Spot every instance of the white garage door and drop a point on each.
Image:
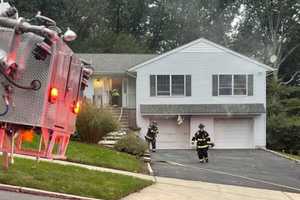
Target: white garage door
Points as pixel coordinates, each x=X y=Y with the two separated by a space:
x=233 y=133
x=172 y=136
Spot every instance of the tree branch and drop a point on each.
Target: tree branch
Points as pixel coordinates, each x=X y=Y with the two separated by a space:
x=291 y=79
x=288 y=54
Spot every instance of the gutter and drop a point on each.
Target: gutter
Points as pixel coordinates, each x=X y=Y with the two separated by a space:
x=130 y=74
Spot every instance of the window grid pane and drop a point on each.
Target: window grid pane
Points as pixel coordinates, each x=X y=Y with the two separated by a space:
x=163 y=85
x=240 y=85
x=177 y=85
x=225 y=84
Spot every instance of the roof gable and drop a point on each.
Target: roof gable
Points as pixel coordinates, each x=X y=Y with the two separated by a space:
x=201 y=46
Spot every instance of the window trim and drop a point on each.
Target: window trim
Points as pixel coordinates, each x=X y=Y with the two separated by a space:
x=170 y=85
x=232 y=83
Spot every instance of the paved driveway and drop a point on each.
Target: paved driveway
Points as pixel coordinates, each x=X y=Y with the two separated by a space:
x=252 y=168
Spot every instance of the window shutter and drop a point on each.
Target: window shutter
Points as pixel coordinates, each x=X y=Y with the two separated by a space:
x=152 y=85
x=215 y=81
x=188 y=85
x=250 y=84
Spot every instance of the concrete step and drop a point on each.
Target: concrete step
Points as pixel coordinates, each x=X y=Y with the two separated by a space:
x=117 y=133
x=107 y=142
x=112 y=137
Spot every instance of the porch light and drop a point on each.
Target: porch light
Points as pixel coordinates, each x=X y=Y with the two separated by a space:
x=98 y=83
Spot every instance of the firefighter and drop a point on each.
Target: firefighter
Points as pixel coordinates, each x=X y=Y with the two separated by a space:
x=151 y=135
x=202 y=140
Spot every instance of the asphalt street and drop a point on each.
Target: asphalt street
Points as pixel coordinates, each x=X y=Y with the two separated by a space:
x=251 y=168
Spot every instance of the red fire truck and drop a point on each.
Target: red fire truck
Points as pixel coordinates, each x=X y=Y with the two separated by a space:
x=41 y=85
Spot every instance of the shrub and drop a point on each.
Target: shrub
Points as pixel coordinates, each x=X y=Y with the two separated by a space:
x=132 y=144
x=283 y=112
x=93 y=124
x=283 y=134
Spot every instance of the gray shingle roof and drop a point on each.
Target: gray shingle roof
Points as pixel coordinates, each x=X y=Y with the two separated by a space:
x=114 y=63
x=203 y=109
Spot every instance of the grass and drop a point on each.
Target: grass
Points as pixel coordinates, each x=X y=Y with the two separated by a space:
x=70 y=180
x=290 y=155
x=97 y=155
x=101 y=156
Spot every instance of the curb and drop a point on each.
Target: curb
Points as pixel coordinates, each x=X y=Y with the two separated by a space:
x=281 y=155
x=26 y=190
x=150 y=169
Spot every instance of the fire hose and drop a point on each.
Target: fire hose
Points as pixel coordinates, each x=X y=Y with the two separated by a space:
x=6 y=107
x=34 y=85
x=5 y=111
x=23 y=26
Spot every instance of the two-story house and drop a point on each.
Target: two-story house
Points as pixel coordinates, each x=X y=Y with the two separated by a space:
x=200 y=82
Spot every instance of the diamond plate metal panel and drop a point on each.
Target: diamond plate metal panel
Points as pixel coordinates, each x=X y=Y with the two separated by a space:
x=27 y=104
x=61 y=70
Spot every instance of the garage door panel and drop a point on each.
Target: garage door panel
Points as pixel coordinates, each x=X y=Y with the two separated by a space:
x=171 y=135
x=233 y=133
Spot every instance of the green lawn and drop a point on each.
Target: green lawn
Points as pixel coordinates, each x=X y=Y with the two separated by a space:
x=99 y=156
x=70 y=180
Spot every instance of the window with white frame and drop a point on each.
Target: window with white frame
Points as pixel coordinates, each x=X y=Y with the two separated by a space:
x=225 y=84
x=232 y=84
x=163 y=85
x=240 y=84
x=177 y=85
x=170 y=85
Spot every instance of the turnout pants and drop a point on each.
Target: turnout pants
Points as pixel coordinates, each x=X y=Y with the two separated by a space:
x=202 y=153
x=152 y=143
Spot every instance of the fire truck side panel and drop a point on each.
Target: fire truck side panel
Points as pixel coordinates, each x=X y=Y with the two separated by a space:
x=65 y=77
x=27 y=105
x=73 y=84
x=62 y=70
